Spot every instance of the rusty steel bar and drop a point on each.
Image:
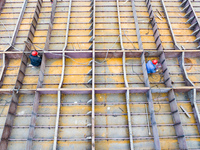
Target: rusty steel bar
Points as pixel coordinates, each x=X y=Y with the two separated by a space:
x=92 y=33
x=93 y=10
x=192 y=97
x=183 y=70
x=136 y=25
x=103 y=126
x=111 y=90
x=120 y=30
x=98 y=114
x=62 y=77
x=106 y=139
x=125 y=80
x=98 y=103
x=2 y=3
x=46 y=47
x=193 y=19
x=170 y=26
x=12 y=42
x=19 y=82
x=101 y=54
x=4 y=68
x=154 y=25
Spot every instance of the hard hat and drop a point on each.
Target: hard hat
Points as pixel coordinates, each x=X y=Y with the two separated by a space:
x=154 y=61
x=34 y=53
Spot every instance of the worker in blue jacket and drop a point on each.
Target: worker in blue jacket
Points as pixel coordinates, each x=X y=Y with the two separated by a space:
x=151 y=66
x=35 y=59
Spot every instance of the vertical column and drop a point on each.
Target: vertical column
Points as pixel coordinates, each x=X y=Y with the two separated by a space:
x=61 y=80
x=125 y=80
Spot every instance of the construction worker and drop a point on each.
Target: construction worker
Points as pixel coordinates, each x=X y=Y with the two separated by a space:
x=151 y=66
x=35 y=58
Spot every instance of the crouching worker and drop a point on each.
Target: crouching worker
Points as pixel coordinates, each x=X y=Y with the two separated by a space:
x=151 y=66
x=35 y=59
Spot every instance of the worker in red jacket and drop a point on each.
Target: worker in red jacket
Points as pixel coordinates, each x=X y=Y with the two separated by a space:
x=151 y=66
x=35 y=59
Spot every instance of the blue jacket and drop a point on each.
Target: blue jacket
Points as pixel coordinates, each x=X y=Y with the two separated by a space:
x=151 y=68
x=35 y=60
